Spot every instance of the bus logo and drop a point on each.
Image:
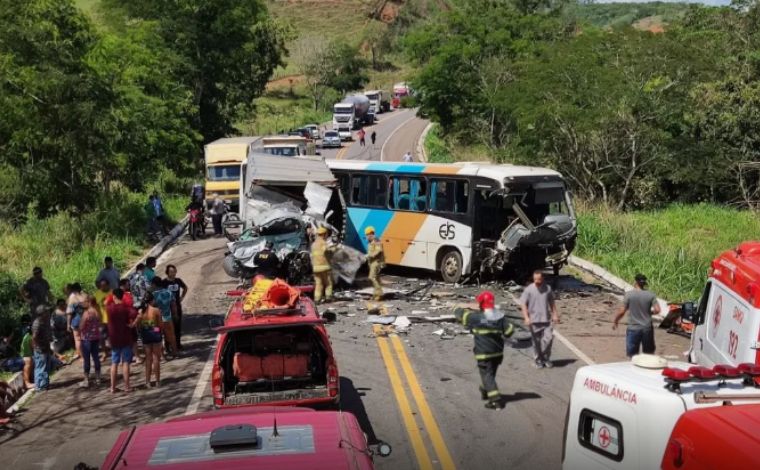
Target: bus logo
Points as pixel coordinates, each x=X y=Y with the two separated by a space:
x=447 y=231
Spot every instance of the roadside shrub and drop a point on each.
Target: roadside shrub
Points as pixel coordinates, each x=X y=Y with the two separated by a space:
x=408 y=102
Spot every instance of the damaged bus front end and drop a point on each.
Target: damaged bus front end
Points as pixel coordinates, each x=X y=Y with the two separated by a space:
x=527 y=224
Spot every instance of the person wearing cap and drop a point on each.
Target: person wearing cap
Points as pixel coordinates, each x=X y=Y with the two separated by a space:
x=267 y=262
x=640 y=304
x=42 y=335
x=320 y=264
x=375 y=260
x=489 y=327
x=539 y=313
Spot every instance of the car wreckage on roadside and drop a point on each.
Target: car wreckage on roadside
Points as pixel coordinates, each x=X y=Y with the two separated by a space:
x=462 y=220
x=284 y=201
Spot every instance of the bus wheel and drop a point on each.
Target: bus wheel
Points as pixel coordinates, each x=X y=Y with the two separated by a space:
x=451 y=266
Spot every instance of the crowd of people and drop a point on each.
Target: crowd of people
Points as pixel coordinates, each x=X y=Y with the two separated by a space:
x=131 y=320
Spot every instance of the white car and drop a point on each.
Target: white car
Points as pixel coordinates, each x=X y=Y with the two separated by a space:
x=331 y=139
x=313 y=130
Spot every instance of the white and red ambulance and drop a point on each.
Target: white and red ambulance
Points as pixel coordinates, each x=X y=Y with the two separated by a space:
x=624 y=415
x=727 y=319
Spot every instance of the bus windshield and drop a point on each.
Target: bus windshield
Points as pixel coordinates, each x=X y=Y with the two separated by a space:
x=224 y=173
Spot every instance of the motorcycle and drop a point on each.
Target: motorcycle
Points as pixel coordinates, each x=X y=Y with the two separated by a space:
x=196 y=226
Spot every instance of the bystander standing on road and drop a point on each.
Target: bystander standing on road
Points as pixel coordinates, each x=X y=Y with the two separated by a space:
x=362 y=134
x=164 y=300
x=150 y=214
x=149 y=326
x=120 y=317
x=178 y=288
x=42 y=336
x=160 y=213
x=407 y=158
x=75 y=307
x=27 y=351
x=373 y=137
x=36 y=291
x=109 y=273
x=640 y=304
x=218 y=209
x=150 y=269
x=103 y=292
x=90 y=328
x=539 y=312
x=61 y=336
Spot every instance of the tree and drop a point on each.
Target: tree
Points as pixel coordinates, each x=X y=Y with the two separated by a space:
x=228 y=51
x=309 y=55
x=346 y=67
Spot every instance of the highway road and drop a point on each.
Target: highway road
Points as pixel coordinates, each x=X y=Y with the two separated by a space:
x=417 y=391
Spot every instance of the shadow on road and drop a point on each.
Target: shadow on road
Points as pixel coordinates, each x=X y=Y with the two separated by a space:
x=563 y=362
x=518 y=396
x=351 y=400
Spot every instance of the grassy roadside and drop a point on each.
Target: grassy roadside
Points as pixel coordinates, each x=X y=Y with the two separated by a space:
x=70 y=248
x=672 y=246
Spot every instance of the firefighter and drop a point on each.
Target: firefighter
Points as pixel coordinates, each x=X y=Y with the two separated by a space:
x=320 y=252
x=489 y=328
x=267 y=262
x=376 y=261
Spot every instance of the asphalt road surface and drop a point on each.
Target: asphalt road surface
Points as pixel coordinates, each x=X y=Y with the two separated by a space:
x=397 y=132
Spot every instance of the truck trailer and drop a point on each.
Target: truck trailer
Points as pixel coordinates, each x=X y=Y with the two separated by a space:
x=379 y=101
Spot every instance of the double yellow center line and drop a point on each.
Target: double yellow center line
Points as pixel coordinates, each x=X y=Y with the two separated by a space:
x=388 y=346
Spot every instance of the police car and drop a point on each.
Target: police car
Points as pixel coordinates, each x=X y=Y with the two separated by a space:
x=621 y=415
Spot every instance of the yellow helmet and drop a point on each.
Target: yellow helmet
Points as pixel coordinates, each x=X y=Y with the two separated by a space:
x=321 y=230
x=369 y=230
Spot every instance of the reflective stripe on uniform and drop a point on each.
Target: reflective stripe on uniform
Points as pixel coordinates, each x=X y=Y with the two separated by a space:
x=464 y=317
x=481 y=357
x=509 y=330
x=493 y=393
x=486 y=331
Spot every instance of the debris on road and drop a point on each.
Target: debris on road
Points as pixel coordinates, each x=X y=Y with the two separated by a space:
x=380 y=319
x=446 y=333
x=402 y=324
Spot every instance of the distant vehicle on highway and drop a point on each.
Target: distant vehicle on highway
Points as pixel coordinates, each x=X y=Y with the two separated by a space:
x=274 y=357
x=275 y=438
x=313 y=130
x=331 y=139
x=223 y=158
x=301 y=132
x=400 y=90
x=460 y=218
x=379 y=101
x=287 y=146
x=351 y=113
x=651 y=413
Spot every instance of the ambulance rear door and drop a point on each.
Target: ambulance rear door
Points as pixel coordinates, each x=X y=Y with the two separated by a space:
x=728 y=333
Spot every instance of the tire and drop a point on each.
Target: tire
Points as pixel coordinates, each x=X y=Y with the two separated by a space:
x=231 y=267
x=451 y=266
x=233 y=219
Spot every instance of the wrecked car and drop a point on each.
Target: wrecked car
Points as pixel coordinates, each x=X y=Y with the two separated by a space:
x=462 y=219
x=285 y=200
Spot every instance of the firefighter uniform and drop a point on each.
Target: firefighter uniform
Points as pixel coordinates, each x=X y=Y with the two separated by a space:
x=489 y=347
x=323 y=281
x=376 y=261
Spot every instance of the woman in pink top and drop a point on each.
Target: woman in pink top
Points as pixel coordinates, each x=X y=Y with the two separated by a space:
x=89 y=328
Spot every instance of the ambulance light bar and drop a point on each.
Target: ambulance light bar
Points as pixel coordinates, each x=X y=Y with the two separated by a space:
x=674 y=376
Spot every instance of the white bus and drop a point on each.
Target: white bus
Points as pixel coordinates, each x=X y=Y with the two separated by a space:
x=459 y=218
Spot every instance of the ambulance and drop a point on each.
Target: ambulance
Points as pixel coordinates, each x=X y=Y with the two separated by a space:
x=727 y=318
x=628 y=415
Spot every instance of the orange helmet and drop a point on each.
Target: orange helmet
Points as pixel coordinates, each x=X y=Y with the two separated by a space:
x=486 y=300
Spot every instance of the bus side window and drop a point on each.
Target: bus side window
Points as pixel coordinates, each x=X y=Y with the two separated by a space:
x=449 y=195
x=344 y=182
x=368 y=190
x=409 y=194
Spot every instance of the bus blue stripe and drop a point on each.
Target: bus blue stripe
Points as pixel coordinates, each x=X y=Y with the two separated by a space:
x=361 y=218
x=396 y=167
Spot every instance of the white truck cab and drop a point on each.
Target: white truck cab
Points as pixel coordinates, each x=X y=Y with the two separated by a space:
x=727 y=320
x=621 y=415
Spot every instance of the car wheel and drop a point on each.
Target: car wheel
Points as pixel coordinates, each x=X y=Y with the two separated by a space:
x=450 y=266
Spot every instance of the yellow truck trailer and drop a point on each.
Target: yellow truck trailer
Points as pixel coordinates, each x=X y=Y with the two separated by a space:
x=223 y=160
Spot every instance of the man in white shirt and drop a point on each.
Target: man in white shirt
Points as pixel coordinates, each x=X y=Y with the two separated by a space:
x=408 y=157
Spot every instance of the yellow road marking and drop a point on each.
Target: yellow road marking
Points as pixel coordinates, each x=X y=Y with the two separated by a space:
x=423 y=458
x=342 y=152
x=447 y=463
